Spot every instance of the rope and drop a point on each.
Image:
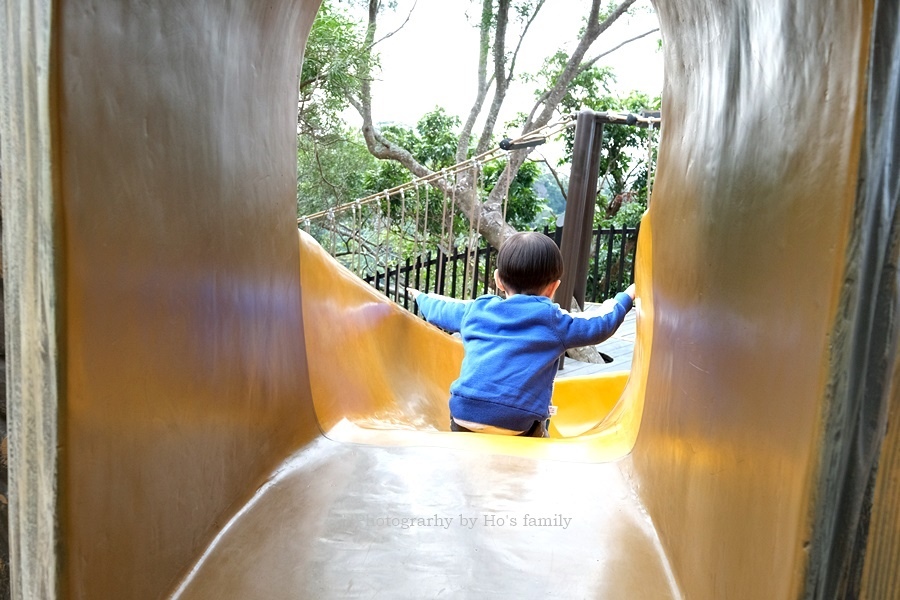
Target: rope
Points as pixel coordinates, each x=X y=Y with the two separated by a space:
x=354 y=256
x=450 y=178
x=487 y=156
x=402 y=211
x=451 y=236
x=416 y=229
x=473 y=243
x=332 y=227
x=385 y=252
x=403 y=233
x=469 y=265
x=425 y=223
x=376 y=228
x=650 y=164
x=441 y=240
x=508 y=183
x=480 y=175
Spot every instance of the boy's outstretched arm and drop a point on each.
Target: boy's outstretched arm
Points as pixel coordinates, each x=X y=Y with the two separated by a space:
x=607 y=305
x=587 y=329
x=414 y=293
x=447 y=313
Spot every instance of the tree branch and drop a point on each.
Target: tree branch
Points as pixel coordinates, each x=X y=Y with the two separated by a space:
x=484 y=43
x=590 y=63
x=378 y=145
x=312 y=80
x=558 y=90
x=402 y=25
x=492 y=214
x=501 y=81
x=334 y=188
x=515 y=55
x=488 y=215
x=555 y=174
x=506 y=75
x=349 y=235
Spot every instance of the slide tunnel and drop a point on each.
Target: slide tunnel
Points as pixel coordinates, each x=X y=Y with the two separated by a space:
x=205 y=405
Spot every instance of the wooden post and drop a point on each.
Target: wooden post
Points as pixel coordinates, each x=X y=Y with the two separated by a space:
x=579 y=219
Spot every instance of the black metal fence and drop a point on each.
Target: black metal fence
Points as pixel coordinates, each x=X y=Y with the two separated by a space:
x=468 y=273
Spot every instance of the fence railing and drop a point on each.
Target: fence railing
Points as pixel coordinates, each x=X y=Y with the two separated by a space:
x=467 y=273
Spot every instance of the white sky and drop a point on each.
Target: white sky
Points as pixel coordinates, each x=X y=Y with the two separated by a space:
x=433 y=59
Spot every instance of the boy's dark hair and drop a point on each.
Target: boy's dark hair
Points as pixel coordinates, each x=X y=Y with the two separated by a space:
x=528 y=262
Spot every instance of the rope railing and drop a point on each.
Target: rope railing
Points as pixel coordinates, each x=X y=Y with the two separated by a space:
x=649 y=120
x=541 y=133
x=388 y=239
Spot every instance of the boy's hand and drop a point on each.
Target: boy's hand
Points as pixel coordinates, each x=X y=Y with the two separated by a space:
x=412 y=293
x=630 y=291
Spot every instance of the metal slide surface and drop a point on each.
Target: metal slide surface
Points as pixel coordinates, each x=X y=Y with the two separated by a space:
x=388 y=501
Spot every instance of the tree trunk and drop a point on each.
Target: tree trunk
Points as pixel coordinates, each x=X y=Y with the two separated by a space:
x=488 y=215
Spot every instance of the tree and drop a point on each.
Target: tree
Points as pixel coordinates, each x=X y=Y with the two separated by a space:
x=332 y=170
x=504 y=25
x=434 y=143
x=331 y=159
x=333 y=63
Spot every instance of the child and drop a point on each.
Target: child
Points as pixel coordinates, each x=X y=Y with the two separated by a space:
x=512 y=346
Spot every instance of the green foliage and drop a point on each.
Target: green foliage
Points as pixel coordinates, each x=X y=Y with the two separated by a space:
x=384 y=175
x=523 y=203
x=623 y=161
x=333 y=63
x=628 y=216
x=332 y=171
x=433 y=143
x=611 y=266
x=331 y=160
x=624 y=164
x=522 y=11
x=607 y=11
x=547 y=188
x=334 y=166
x=437 y=139
x=622 y=195
x=586 y=86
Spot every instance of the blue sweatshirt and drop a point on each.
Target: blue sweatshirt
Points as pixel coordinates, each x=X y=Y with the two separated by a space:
x=512 y=348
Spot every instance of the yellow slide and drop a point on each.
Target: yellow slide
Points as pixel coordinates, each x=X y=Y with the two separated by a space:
x=391 y=502
x=379 y=375
x=201 y=407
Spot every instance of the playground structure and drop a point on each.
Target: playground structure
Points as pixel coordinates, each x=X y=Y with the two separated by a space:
x=203 y=407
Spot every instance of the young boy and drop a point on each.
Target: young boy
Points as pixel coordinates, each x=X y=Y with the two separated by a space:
x=512 y=346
